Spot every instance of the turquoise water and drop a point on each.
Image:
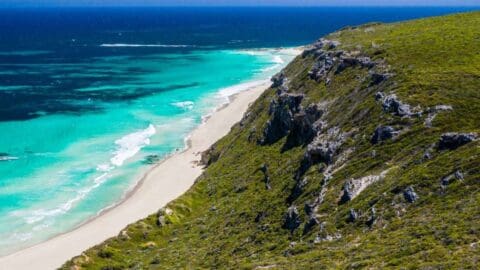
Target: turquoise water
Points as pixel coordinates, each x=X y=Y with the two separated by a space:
x=63 y=169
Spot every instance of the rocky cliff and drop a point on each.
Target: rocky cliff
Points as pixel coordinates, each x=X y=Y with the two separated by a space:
x=364 y=153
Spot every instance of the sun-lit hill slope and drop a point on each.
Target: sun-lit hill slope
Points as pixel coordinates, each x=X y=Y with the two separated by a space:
x=365 y=153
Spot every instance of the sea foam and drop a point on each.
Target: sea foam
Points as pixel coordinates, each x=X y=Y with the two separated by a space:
x=186 y=105
x=126 y=45
x=8 y=158
x=131 y=144
x=235 y=89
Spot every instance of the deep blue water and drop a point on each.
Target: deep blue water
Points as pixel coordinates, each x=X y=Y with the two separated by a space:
x=55 y=28
x=90 y=97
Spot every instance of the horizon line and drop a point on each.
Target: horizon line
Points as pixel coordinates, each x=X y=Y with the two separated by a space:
x=240 y=6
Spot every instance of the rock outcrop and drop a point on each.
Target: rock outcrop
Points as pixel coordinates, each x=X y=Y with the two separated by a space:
x=280 y=81
x=266 y=176
x=324 y=147
x=297 y=190
x=281 y=110
x=347 y=61
x=372 y=219
x=291 y=219
x=318 y=47
x=353 y=187
x=305 y=126
x=432 y=113
x=352 y=215
x=311 y=223
x=162 y=216
x=453 y=140
x=383 y=133
x=447 y=180
x=410 y=195
x=377 y=77
x=327 y=60
x=391 y=104
x=209 y=156
x=323 y=65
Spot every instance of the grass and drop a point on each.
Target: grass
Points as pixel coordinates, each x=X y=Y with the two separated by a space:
x=228 y=219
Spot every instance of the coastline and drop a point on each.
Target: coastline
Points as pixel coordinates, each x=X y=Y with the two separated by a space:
x=160 y=185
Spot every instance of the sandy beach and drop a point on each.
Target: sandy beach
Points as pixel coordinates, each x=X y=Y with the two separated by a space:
x=162 y=184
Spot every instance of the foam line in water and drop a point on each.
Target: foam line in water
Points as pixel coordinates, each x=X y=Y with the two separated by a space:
x=8 y=158
x=126 y=45
x=41 y=214
x=235 y=89
x=186 y=105
x=131 y=144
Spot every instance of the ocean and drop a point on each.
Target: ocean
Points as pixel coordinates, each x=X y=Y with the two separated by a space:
x=91 y=98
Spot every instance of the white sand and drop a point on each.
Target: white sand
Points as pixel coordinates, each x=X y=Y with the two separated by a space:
x=162 y=184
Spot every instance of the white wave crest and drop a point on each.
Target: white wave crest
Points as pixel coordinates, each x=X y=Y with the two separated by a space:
x=126 y=45
x=7 y=158
x=131 y=145
x=41 y=214
x=21 y=237
x=186 y=105
x=277 y=59
x=128 y=146
x=235 y=89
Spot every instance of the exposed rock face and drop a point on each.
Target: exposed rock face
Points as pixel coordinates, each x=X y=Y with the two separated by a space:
x=392 y=104
x=377 y=78
x=453 y=140
x=410 y=195
x=324 y=147
x=325 y=59
x=328 y=59
x=372 y=219
x=432 y=113
x=311 y=207
x=278 y=79
x=323 y=236
x=304 y=127
x=281 y=111
x=317 y=46
x=162 y=216
x=311 y=223
x=209 y=156
x=447 y=180
x=291 y=219
x=352 y=215
x=297 y=189
x=266 y=176
x=352 y=61
x=348 y=192
x=459 y=175
x=383 y=133
x=352 y=188
x=322 y=66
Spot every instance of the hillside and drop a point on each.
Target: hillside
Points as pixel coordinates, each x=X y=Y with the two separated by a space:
x=364 y=153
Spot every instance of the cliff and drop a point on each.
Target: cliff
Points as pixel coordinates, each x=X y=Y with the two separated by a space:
x=364 y=153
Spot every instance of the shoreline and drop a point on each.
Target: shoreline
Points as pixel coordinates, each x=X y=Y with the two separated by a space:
x=139 y=201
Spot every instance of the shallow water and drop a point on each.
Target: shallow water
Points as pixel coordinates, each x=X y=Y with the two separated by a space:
x=66 y=167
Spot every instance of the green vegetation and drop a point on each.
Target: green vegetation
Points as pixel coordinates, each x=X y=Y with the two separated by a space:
x=228 y=219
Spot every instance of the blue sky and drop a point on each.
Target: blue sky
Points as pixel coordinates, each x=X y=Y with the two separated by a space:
x=16 y=3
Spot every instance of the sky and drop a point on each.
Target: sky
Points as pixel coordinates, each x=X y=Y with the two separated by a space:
x=39 y=3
